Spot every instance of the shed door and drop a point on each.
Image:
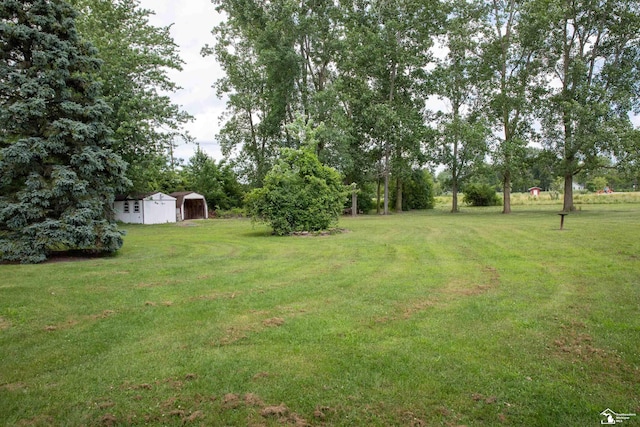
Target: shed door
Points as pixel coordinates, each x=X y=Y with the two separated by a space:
x=193 y=209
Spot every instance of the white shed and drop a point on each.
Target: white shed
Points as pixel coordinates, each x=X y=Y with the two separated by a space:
x=190 y=205
x=150 y=208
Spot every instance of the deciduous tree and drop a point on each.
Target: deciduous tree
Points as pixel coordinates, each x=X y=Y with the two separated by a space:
x=593 y=58
x=136 y=60
x=512 y=51
x=464 y=129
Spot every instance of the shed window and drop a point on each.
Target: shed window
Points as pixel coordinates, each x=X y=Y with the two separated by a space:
x=126 y=207
x=136 y=207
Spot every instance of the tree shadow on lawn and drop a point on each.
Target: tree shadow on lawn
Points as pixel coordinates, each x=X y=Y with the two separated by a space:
x=69 y=256
x=321 y=233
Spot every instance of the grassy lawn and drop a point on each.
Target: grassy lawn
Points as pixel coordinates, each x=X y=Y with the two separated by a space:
x=424 y=318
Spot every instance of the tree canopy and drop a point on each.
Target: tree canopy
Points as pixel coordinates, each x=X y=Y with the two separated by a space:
x=136 y=60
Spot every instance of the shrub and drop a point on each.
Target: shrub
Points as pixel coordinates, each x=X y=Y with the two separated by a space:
x=299 y=194
x=418 y=191
x=228 y=213
x=480 y=195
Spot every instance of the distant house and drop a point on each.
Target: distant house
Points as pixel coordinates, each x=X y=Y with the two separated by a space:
x=190 y=205
x=150 y=208
x=535 y=191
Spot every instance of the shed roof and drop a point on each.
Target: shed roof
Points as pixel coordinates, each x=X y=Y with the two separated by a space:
x=142 y=196
x=181 y=195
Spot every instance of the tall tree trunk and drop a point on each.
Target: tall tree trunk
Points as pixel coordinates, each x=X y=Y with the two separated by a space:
x=568 y=194
x=454 y=191
x=386 y=182
x=454 y=179
x=387 y=149
x=506 y=192
x=378 y=198
x=354 y=201
x=454 y=168
x=399 y=195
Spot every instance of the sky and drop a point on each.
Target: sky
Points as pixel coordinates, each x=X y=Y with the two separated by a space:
x=191 y=24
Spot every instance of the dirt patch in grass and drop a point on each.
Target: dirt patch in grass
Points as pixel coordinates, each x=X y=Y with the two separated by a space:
x=283 y=416
x=261 y=375
x=105 y=404
x=322 y=412
x=194 y=417
x=216 y=296
x=577 y=345
x=14 y=386
x=274 y=321
x=4 y=324
x=105 y=314
x=490 y=280
x=489 y=400
x=232 y=335
x=70 y=323
x=321 y=233
x=407 y=311
x=417 y=307
x=455 y=288
x=170 y=282
x=108 y=420
x=412 y=420
x=231 y=401
x=469 y=292
x=39 y=420
x=279 y=411
x=196 y=408
x=252 y=399
x=236 y=333
x=176 y=408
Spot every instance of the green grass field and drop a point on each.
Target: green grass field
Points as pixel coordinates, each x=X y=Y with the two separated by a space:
x=425 y=318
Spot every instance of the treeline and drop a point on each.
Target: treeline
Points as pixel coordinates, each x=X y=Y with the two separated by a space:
x=393 y=87
x=399 y=85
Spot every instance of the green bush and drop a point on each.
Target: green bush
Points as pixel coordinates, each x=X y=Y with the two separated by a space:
x=299 y=194
x=418 y=192
x=480 y=195
x=229 y=213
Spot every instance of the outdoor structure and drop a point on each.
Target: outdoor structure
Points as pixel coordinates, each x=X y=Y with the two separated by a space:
x=190 y=205
x=535 y=191
x=150 y=208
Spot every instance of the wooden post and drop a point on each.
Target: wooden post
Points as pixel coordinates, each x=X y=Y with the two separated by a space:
x=562 y=215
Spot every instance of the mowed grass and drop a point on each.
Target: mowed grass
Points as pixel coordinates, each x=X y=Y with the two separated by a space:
x=425 y=318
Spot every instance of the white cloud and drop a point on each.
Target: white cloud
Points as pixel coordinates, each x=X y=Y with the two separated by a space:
x=191 y=25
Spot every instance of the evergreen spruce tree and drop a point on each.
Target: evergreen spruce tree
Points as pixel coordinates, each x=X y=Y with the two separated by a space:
x=58 y=175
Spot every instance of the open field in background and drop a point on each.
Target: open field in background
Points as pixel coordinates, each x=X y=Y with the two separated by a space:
x=547 y=198
x=424 y=318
